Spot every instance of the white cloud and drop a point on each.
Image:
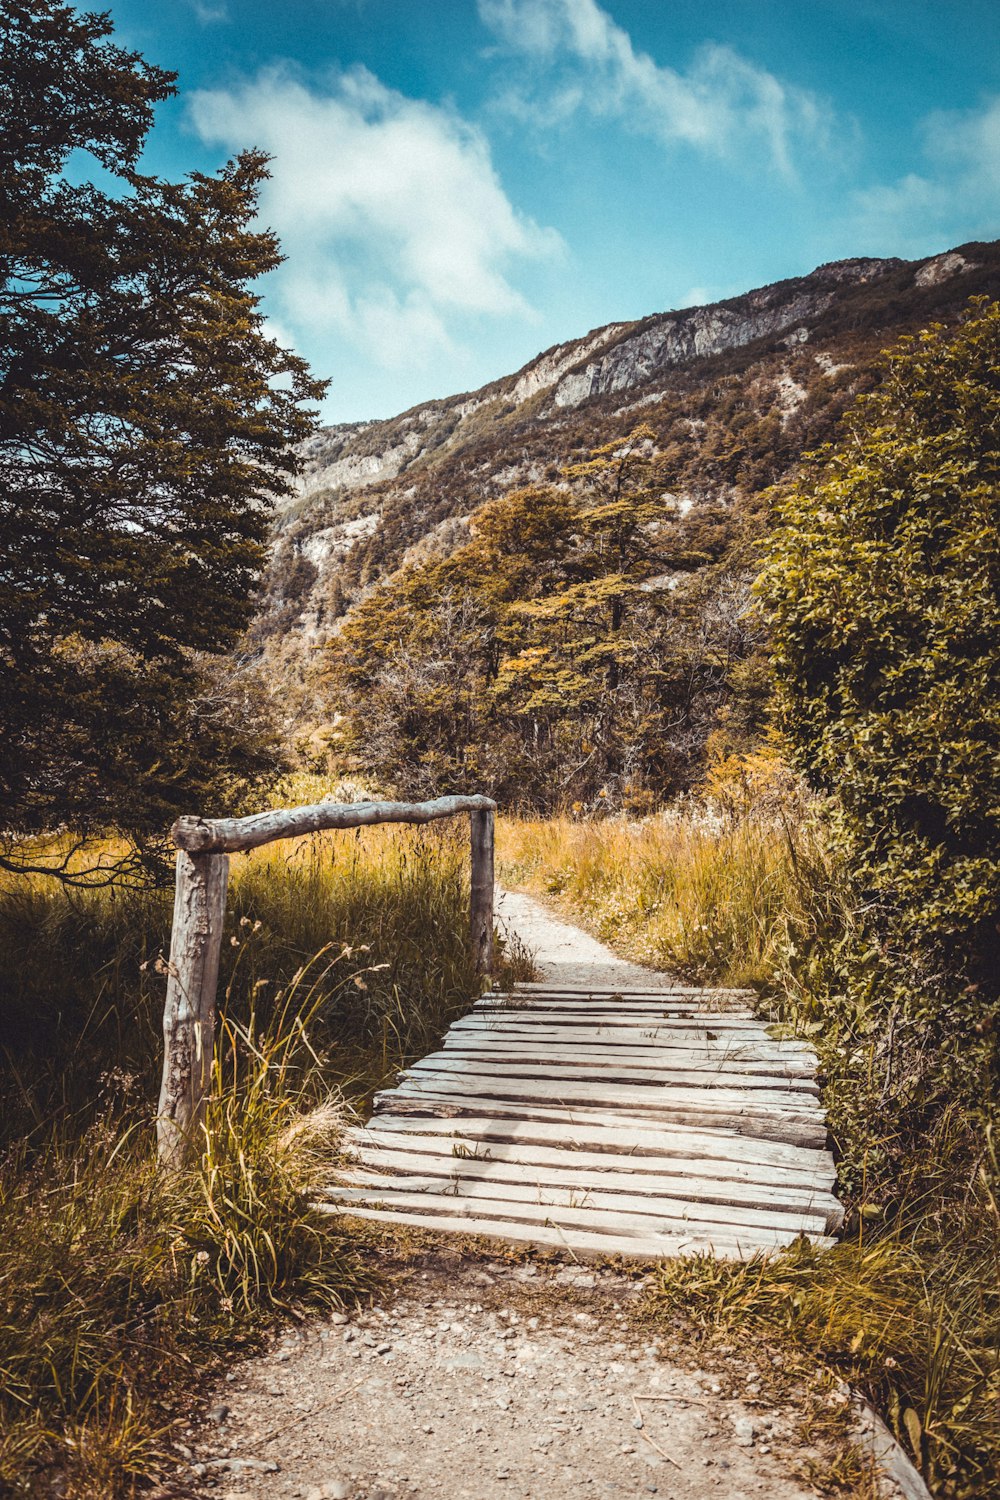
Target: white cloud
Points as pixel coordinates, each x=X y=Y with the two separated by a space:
x=722 y=104
x=389 y=211
x=209 y=12
x=955 y=198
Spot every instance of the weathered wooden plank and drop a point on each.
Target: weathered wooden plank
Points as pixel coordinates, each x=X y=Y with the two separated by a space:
x=549 y=987
x=599 y=1198
x=606 y=1020
x=704 y=1040
x=745 y=1119
x=582 y=1244
x=639 y=1004
x=569 y=1001
x=603 y=1132
x=608 y=1222
x=638 y=1059
x=711 y=1075
x=648 y=1058
x=716 y=1195
x=488 y=1005
x=723 y=1096
x=516 y=1142
x=657 y=1033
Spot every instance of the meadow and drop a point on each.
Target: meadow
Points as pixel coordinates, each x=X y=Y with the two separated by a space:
x=344 y=957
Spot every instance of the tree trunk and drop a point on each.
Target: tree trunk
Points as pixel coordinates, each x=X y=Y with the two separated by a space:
x=482 y=891
x=189 y=1014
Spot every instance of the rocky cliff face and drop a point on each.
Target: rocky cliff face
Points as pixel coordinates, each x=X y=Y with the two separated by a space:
x=737 y=389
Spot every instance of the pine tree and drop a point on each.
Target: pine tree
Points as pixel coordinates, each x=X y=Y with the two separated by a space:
x=145 y=422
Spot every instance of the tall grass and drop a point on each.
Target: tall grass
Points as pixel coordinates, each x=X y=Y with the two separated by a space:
x=81 y=972
x=343 y=956
x=707 y=897
x=120 y=1288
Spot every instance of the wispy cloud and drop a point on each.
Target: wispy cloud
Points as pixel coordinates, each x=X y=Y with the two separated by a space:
x=955 y=197
x=722 y=104
x=210 y=12
x=389 y=210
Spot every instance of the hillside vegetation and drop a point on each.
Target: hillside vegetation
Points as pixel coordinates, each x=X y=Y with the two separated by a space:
x=577 y=650
x=733 y=393
x=396 y=517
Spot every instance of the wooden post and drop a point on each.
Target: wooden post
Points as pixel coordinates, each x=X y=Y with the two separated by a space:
x=189 y=1014
x=482 y=890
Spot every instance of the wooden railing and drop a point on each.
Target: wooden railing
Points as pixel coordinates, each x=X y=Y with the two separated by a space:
x=203 y=845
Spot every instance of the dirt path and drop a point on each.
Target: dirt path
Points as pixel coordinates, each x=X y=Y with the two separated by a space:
x=479 y=1378
x=564 y=954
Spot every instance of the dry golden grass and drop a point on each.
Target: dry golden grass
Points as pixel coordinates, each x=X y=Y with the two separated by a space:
x=708 y=897
x=343 y=956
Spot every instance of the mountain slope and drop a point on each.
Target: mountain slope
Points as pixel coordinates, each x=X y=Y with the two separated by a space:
x=735 y=392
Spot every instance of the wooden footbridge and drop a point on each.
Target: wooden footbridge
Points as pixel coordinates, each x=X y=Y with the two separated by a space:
x=646 y=1121
x=642 y=1122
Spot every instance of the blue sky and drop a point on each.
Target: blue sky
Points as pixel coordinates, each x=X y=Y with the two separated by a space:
x=458 y=184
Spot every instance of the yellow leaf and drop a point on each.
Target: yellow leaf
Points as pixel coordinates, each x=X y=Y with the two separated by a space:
x=914 y=1431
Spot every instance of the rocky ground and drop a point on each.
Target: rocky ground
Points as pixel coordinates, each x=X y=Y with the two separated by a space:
x=482 y=1380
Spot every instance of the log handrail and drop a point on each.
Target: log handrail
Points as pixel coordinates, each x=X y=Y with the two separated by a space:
x=203 y=847
x=231 y=835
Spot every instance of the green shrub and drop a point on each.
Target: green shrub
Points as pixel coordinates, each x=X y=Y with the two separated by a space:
x=882 y=589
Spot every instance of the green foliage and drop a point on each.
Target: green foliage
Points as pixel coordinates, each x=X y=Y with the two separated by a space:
x=882 y=587
x=142 y=428
x=565 y=654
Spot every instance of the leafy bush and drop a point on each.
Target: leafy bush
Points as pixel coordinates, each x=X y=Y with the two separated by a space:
x=883 y=591
x=882 y=588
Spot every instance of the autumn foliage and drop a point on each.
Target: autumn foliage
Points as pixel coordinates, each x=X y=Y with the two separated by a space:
x=574 y=651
